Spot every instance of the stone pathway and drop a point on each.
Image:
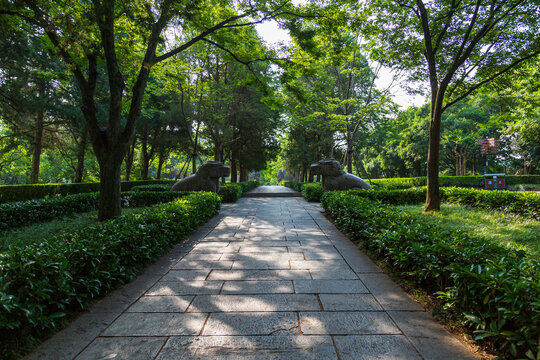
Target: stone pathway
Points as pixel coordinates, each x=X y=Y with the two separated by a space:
x=272 y=191
x=268 y=278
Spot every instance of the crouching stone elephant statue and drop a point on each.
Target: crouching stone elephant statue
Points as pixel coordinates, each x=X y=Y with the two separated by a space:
x=205 y=179
x=335 y=178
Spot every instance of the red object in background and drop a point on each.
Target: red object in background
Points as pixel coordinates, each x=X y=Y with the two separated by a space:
x=489 y=183
x=501 y=183
x=488 y=146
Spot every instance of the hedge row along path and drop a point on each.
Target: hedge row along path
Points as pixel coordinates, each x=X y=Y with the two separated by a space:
x=266 y=278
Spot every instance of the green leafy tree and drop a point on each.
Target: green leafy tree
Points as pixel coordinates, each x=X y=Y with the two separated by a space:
x=123 y=37
x=460 y=45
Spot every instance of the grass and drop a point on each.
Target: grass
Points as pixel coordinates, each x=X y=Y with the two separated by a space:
x=507 y=230
x=34 y=233
x=524 y=187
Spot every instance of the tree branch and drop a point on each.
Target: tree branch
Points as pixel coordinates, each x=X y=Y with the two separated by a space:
x=494 y=76
x=446 y=26
x=200 y=37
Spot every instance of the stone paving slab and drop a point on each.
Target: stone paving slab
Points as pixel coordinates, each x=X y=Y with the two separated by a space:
x=195 y=287
x=347 y=323
x=369 y=347
x=388 y=293
x=265 y=279
x=257 y=287
x=262 y=323
x=429 y=337
x=259 y=275
x=353 y=302
x=162 y=304
x=332 y=286
x=124 y=348
x=258 y=302
x=260 y=256
x=156 y=324
x=279 y=264
x=249 y=347
x=186 y=275
x=68 y=343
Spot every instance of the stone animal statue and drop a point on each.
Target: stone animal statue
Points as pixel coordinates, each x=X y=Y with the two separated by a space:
x=335 y=178
x=205 y=179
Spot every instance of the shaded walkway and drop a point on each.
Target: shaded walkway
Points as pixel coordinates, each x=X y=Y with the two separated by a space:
x=272 y=191
x=268 y=278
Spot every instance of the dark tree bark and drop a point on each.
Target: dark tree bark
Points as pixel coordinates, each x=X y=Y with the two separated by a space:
x=234 y=171
x=161 y=161
x=147 y=156
x=110 y=186
x=218 y=151
x=81 y=152
x=37 y=147
x=433 y=199
x=349 y=155
x=129 y=159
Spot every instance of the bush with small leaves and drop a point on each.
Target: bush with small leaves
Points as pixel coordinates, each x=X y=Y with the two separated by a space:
x=491 y=288
x=42 y=283
x=312 y=191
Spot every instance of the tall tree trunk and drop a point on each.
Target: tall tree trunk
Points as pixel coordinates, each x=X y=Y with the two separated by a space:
x=145 y=157
x=234 y=172
x=109 y=187
x=161 y=161
x=129 y=159
x=218 y=152
x=243 y=173
x=37 y=147
x=433 y=199
x=349 y=155
x=81 y=151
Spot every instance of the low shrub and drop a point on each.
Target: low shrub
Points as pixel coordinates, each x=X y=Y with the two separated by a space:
x=393 y=183
x=526 y=204
x=490 y=288
x=295 y=185
x=41 y=283
x=248 y=185
x=230 y=192
x=312 y=191
x=153 y=187
x=394 y=197
x=476 y=181
x=9 y=193
x=32 y=211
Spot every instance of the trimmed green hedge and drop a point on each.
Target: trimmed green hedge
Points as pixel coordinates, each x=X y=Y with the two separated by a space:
x=10 y=193
x=526 y=204
x=154 y=187
x=230 y=192
x=248 y=185
x=295 y=185
x=444 y=181
x=312 y=191
x=41 y=283
x=492 y=289
x=32 y=211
